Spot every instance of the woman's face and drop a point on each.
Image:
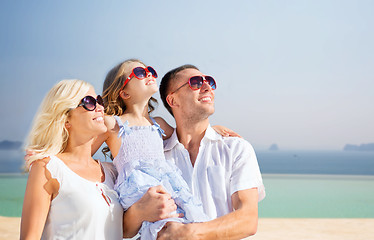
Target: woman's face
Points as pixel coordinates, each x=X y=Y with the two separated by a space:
x=86 y=123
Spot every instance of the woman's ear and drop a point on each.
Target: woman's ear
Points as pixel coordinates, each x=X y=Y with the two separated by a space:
x=124 y=95
x=67 y=124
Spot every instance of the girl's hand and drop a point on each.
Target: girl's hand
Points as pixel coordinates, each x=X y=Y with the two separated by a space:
x=225 y=132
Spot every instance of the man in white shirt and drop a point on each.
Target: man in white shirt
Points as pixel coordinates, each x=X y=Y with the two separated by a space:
x=221 y=171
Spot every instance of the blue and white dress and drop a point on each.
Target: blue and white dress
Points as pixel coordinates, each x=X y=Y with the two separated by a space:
x=141 y=164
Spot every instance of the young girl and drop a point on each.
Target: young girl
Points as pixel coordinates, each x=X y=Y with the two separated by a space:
x=135 y=141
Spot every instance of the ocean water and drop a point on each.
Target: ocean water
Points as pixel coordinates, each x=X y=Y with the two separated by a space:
x=317 y=196
x=317 y=162
x=12 y=190
x=299 y=184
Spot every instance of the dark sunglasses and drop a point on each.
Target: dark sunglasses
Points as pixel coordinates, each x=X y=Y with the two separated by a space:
x=140 y=73
x=196 y=82
x=89 y=102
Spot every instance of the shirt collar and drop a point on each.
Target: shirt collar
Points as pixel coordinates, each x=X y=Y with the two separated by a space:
x=210 y=134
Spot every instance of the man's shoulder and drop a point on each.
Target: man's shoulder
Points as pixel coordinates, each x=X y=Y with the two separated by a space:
x=235 y=141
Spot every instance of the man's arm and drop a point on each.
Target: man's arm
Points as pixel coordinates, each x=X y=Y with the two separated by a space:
x=235 y=225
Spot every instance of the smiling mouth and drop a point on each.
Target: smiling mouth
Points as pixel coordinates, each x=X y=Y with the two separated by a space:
x=150 y=82
x=99 y=119
x=206 y=99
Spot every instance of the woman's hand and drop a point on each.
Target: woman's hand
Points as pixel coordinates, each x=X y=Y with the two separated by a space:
x=225 y=132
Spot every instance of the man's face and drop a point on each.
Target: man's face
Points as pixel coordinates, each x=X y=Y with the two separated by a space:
x=192 y=104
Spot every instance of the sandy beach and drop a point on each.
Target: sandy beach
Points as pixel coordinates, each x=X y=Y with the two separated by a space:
x=9 y=228
x=269 y=229
x=314 y=228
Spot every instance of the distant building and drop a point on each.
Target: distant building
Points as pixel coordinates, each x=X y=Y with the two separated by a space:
x=273 y=147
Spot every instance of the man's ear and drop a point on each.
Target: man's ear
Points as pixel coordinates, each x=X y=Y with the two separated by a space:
x=170 y=99
x=124 y=95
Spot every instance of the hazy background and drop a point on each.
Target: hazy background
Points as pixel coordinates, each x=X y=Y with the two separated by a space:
x=296 y=73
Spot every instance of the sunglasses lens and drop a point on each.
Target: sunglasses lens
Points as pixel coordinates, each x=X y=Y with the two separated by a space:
x=211 y=82
x=89 y=103
x=196 y=82
x=139 y=72
x=152 y=71
x=99 y=100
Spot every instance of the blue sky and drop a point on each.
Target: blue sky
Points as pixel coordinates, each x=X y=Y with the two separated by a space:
x=296 y=73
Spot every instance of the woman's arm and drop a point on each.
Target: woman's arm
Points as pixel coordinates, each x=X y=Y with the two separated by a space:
x=40 y=191
x=99 y=140
x=222 y=130
x=225 y=132
x=110 y=124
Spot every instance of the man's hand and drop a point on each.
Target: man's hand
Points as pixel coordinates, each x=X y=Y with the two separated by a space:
x=238 y=224
x=29 y=154
x=176 y=230
x=156 y=204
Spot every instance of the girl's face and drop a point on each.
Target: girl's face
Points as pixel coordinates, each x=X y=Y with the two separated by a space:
x=140 y=88
x=87 y=123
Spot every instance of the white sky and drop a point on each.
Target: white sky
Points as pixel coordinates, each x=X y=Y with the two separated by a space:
x=296 y=73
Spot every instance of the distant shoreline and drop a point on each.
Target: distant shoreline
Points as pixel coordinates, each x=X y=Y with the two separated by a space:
x=14 y=174
x=10 y=145
x=297 y=175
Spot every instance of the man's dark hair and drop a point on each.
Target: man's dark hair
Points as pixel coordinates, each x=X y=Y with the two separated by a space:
x=167 y=79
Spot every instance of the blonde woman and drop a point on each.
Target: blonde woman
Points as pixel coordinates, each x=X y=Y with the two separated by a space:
x=69 y=195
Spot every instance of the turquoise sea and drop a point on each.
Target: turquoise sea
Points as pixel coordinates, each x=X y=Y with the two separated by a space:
x=299 y=184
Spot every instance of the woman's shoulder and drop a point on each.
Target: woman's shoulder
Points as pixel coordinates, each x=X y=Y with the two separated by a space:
x=44 y=168
x=40 y=163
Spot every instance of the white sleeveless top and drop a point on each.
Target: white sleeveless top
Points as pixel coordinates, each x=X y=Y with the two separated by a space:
x=83 y=209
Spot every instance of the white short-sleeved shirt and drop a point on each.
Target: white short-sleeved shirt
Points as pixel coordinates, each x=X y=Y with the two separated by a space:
x=83 y=209
x=224 y=165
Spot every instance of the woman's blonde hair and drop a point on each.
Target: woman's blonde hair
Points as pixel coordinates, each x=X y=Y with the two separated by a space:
x=113 y=103
x=48 y=135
